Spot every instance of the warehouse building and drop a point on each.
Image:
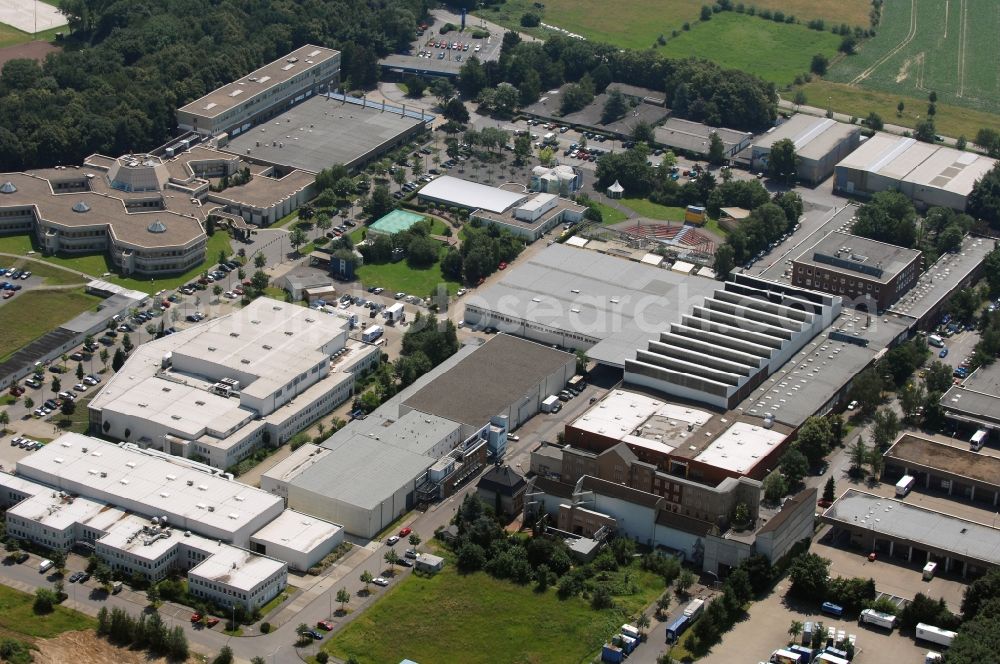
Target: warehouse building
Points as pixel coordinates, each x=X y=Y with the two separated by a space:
x=220 y=390
x=695 y=137
x=264 y=93
x=945 y=469
x=731 y=342
x=865 y=273
x=820 y=143
x=896 y=529
x=425 y=442
x=931 y=175
x=584 y=300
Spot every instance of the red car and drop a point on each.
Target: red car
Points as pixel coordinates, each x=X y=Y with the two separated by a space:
x=211 y=621
x=325 y=625
x=195 y=617
x=502 y=266
x=405 y=532
x=825 y=503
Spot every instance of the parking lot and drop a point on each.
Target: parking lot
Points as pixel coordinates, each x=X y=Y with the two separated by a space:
x=16 y=280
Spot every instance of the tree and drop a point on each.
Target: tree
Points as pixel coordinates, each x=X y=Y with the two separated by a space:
x=443 y=90
x=415 y=540
x=938 y=377
x=415 y=86
x=45 y=601
x=810 y=576
x=783 y=162
x=530 y=20
x=343 y=597
x=876 y=461
x=900 y=107
x=225 y=656
x=984 y=200
x=925 y=131
x=684 y=582
x=724 y=262
x=392 y=558
x=775 y=487
x=795 y=629
x=217 y=290
x=615 y=107
x=867 y=390
x=67 y=408
x=4 y=421
x=859 y=455
x=874 y=121
x=989 y=140
x=911 y=397
x=302 y=629
x=828 y=490
x=80 y=373
x=819 y=64
x=642 y=622
x=57 y=384
x=380 y=203
x=979 y=592
x=885 y=430
x=663 y=604
x=794 y=466
x=716 y=150
x=153 y=596
x=259 y=260
x=366 y=578
x=814 y=440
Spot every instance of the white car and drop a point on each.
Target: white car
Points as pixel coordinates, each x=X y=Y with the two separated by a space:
x=513 y=437
x=461 y=292
x=392 y=540
x=852 y=405
x=80 y=387
x=380 y=581
x=230 y=295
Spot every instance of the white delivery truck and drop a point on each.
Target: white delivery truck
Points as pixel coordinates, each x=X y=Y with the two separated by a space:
x=942 y=637
x=394 y=314
x=551 y=404
x=904 y=485
x=978 y=440
x=630 y=630
x=877 y=618
x=372 y=333
x=929 y=570
x=693 y=610
x=549 y=138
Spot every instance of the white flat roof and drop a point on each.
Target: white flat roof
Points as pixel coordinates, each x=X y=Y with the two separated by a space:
x=123 y=475
x=236 y=568
x=621 y=413
x=464 y=193
x=537 y=202
x=740 y=447
x=56 y=511
x=297 y=531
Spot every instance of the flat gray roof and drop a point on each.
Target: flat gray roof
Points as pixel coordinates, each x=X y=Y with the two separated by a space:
x=695 y=136
x=411 y=63
x=487 y=382
x=272 y=74
x=867 y=258
x=620 y=303
x=813 y=137
x=900 y=520
x=940 y=279
x=977 y=398
x=321 y=132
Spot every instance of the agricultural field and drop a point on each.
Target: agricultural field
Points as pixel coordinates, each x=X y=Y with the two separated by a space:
x=638 y=23
x=946 y=46
x=776 y=52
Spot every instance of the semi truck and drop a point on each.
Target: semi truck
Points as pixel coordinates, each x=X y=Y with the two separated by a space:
x=877 y=618
x=394 y=314
x=372 y=333
x=694 y=609
x=677 y=628
x=942 y=637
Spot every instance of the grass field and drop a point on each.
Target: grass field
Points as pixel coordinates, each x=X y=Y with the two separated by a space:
x=609 y=215
x=401 y=277
x=653 y=210
x=54 y=276
x=950 y=120
x=950 y=47
x=774 y=51
x=10 y=36
x=431 y=620
x=637 y=23
x=31 y=314
x=17 y=616
x=97 y=264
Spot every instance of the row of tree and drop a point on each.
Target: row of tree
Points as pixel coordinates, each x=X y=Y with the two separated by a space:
x=147 y=632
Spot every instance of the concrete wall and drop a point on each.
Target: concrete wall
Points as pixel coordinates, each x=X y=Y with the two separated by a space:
x=357 y=520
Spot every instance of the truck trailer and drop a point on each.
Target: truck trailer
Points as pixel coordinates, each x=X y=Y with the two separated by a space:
x=394 y=314
x=677 y=628
x=372 y=333
x=694 y=609
x=933 y=634
x=877 y=618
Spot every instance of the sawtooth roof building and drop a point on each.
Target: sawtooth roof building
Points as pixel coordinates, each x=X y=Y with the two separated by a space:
x=929 y=174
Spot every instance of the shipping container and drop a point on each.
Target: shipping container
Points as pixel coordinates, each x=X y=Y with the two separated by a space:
x=877 y=618
x=942 y=637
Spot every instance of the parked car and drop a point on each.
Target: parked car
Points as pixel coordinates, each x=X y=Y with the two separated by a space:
x=325 y=625
x=380 y=581
x=405 y=532
x=392 y=540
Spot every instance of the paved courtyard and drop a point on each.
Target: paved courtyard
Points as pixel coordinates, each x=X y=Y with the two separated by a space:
x=30 y=16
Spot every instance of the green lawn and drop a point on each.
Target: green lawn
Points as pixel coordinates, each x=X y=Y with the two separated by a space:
x=637 y=23
x=713 y=226
x=54 y=276
x=97 y=264
x=10 y=36
x=17 y=616
x=645 y=208
x=950 y=120
x=31 y=314
x=776 y=52
x=79 y=421
x=609 y=215
x=401 y=277
x=431 y=619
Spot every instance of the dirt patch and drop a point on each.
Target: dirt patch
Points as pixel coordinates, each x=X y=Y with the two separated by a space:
x=904 y=71
x=34 y=50
x=86 y=648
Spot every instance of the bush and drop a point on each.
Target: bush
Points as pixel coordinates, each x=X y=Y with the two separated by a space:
x=45 y=601
x=530 y=20
x=265 y=628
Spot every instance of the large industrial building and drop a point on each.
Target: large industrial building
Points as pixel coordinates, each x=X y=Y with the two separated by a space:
x=525 y=215
x=426 y=441
x=219 y=390
x=865 y=273
x=819 y=144
x=974 y=404
x=732 y=341
x=585 y=300
x=148 y=514
x=264 y=93
x=931 y=175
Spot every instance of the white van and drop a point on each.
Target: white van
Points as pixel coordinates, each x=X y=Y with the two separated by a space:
x=904 y=485
x=978 y=440
x=935 y=340
x=45 y=565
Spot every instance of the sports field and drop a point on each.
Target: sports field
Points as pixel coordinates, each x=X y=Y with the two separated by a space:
x=638 y=23
x=947 y=46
